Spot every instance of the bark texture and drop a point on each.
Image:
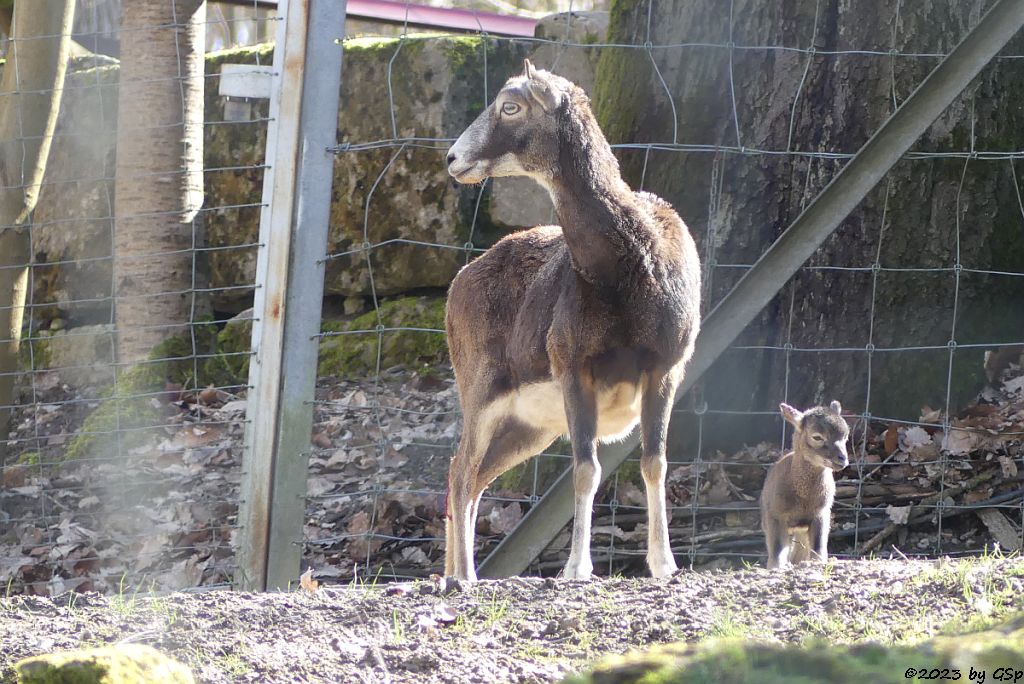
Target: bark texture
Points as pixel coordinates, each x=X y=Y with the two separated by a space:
x=737 y=201
x=159 y=177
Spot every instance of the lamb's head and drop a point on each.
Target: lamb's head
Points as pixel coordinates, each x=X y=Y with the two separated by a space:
x=821 y=434
x=517 y=135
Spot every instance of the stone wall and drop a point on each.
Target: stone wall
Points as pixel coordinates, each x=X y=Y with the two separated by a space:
x=384 y=193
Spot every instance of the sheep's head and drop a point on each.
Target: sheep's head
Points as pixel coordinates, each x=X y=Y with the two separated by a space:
x=517 y=135
x=821 y=434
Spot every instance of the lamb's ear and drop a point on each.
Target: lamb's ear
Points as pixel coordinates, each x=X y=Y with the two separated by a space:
x=792 y=415
x=540 y=89
x=836 y=408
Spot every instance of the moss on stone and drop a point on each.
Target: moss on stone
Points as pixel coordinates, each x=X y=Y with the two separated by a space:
x=424 y=85
x=744 y=662
x=34 y=351
x=29 y=458
x=521 y=478
x=249 y=54
x=620 y=91
x=127 y=408
x=118 y=423
x=124 y=664
x=230 y=365
x=409 y=330
x=404 y=331
x=173 y=360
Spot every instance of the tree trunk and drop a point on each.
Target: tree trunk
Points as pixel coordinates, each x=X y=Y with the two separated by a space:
x=743 y=199
x=30 y=95
x=159 y=178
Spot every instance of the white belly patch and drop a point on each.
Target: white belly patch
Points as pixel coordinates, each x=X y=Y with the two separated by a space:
x=541 y=405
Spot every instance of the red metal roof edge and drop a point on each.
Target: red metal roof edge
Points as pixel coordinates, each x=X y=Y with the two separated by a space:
x=441 y=17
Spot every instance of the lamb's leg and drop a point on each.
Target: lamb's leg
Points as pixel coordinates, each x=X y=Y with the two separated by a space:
x=818 y=534
x=777 y=539
x=654 y=417
x=801 y=546
x=581 y=414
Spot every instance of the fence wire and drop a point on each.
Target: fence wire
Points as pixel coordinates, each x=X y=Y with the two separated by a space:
x=377 y=487
x=121 y=475
x=109 y=482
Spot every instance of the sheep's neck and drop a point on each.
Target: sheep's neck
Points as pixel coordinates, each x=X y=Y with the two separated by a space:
x=603 y=226
x=803 y=468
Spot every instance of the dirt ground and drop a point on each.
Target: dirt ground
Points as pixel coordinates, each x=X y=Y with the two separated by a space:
x=514 y=630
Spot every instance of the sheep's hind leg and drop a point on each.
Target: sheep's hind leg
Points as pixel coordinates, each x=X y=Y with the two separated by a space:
x=778 y=541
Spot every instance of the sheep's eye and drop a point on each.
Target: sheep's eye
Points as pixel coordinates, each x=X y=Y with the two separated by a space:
x=817 y=439
x=510 y=108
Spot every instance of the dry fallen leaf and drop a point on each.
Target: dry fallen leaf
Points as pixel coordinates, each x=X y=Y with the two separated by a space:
x=14 y=476
x=891 y=439
x=307 y=582
x=503 y=519
x=961 y=442
x=1014 y=386
x=210 y=395
x=358 y=523
x=913 y=437
x=898 y=514
x=1008 y=466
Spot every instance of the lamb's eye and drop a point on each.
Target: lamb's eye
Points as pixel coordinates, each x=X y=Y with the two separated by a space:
x=817 y=439
x=510 y=109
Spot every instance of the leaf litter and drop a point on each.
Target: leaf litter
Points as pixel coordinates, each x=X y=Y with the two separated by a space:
x=161 y=513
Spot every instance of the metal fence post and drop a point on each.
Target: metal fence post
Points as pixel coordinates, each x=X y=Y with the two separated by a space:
x=290 y=280
x=777 y=265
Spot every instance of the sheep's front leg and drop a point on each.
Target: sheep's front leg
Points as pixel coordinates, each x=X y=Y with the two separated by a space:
x=818 y=534
x=654 y=416
x=581 y=414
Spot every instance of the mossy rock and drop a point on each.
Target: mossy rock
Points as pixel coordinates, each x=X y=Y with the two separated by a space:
x=35 y=351
x=125 y=664
x=409 y=330
x=438 y=84
x=743 y=662
x=396 y=197
x=129 y=407
x=405 y=331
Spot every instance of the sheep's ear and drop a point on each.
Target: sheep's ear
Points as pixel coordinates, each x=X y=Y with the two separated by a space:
x=542 y=93
x=540 y=89
x=792 y=415
x=836 y=408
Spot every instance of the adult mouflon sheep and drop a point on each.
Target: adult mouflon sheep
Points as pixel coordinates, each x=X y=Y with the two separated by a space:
x=582 y=328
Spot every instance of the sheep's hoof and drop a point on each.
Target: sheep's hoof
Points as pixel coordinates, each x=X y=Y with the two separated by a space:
x=663 y=569
x=578 y=571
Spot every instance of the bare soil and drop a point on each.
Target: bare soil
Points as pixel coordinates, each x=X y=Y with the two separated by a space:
x=514 y=630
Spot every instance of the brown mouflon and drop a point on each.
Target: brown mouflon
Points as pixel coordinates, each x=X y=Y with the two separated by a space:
x=582 y=328
x=796 y=503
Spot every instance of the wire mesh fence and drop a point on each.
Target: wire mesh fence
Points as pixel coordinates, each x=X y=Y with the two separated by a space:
x=935 y=475
x=126 y=473
x=120 y=471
